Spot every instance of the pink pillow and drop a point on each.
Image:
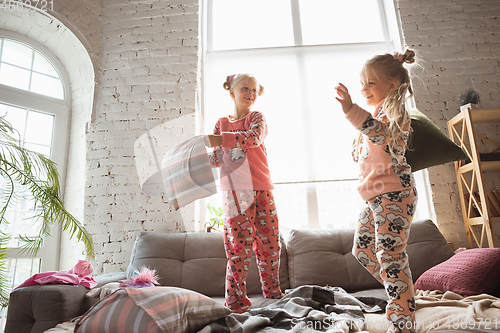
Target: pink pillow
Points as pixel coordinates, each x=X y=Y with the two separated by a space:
x=470 y=272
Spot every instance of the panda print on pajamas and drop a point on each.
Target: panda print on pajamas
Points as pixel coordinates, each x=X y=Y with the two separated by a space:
x=389 y=242
x=397 y=223
x=369 y=125
x=376 y=206
x=396 y=288
x=377 y=139
x=405 y=177
x=364 y=240
x=396 y=196
x=394 y=208
x=410 y=209
x=364 y=216
x=365 y=260
x=393 y=270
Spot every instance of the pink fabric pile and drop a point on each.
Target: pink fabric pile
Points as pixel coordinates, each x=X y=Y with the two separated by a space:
x=80 y=274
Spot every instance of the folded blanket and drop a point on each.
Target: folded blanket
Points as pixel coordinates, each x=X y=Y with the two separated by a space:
x=439 y=312
x=306 y=308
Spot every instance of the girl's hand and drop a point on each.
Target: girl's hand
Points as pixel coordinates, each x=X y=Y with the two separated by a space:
x=344 y=97
x=215 y=140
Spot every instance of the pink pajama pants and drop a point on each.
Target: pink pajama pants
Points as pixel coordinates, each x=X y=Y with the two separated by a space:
x=250 y=222
x=380 y=246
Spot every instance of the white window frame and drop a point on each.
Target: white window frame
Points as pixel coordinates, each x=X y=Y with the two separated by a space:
x=393 y=38
x=49 y=253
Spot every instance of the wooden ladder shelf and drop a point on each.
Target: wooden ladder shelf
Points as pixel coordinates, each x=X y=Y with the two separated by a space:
x=476 y=210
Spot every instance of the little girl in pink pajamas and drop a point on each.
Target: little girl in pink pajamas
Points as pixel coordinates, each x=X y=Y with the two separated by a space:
x=386 y=181
x=250 y=217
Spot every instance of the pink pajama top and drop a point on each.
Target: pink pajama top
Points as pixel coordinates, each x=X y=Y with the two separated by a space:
x=379 y=171
x=242 y=155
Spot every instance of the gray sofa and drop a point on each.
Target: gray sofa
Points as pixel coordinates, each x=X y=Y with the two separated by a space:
x=197 y=261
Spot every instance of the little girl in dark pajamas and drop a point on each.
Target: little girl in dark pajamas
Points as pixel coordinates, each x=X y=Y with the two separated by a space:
x=250 y=217
x=386 y=181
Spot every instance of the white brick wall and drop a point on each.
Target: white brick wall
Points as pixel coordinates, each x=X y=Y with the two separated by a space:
x=147 y=78
x=458 y=40
x=76 y=56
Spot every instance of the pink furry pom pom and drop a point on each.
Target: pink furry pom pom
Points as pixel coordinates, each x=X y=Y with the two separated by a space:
x=144 y=278
x=146 y=275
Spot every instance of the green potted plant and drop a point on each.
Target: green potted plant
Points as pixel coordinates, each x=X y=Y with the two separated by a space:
x=217 y=220
x=25 y=171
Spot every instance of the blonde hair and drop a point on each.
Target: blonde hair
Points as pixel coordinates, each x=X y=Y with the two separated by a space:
x=233 y=80
x=389 y=67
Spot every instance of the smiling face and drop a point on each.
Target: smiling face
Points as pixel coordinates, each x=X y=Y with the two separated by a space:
x=245 y=93
x=373 y=88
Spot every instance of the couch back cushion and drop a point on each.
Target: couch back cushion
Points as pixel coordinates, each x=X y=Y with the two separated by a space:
x=194 y=261
x=323 y=257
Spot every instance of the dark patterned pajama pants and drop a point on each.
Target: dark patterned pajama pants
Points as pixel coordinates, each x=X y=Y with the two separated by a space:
x=380 y=246
x=250 y=222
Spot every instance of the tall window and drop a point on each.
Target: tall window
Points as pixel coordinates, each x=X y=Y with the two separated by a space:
x=33 y=100
x=24 y=67
x=299 y=50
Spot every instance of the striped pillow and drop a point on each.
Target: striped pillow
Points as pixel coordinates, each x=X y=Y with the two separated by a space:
x=187 y=174
x=116 y=313
x=151 y=310
x=177 y=309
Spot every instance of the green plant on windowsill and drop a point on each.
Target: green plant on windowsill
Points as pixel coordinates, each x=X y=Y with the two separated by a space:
x=25 y=171
x=217 y=221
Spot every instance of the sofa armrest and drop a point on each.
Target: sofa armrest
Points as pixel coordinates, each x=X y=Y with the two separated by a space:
x=37 y=308
x=110 y=277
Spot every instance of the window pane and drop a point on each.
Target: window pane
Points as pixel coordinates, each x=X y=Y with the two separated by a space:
x=45 y=150
x=339 y=204
x=15 y=116
x=14 y=76
x=39 y=128
x=17 y=54
x=42 y=65
x=250 y=24
x=291 y=204
x=330 y=135
x=21 y=269
x=47 y=86
x=21 y=222
x=16 y=70
x=337 y=22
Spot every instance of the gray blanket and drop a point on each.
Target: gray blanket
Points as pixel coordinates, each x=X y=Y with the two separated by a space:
x=304 y=309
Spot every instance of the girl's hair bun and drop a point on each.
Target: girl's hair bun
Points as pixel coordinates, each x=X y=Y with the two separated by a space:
x=229 y=80
x=408 y=56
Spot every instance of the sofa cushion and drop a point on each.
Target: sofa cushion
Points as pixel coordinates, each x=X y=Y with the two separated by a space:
x=194 y=261
x=323 y=257
x=470 y=272
x=426 y=248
